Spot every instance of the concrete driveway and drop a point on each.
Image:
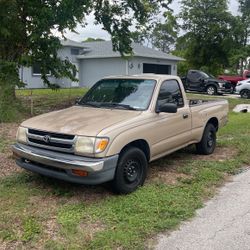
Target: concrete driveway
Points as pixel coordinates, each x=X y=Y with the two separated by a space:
x=223 y=224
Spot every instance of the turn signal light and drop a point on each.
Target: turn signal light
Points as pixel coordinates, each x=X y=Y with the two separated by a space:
x=102 y=144
x=79 y=172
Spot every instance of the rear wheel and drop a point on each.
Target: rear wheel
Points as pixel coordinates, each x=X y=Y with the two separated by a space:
x=131 y=171
x=208 y=142
x=245 y=93
x=211 y=90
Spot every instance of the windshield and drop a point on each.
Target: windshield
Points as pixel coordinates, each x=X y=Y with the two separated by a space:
x=134 y=94
x=205 y=75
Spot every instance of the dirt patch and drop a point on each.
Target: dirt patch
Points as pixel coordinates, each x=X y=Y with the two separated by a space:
x=7 y=163
x=91 y=194
x=167 y=169
x=90 y=229
x=8 y=130
x=220 y=154
x=11 y=245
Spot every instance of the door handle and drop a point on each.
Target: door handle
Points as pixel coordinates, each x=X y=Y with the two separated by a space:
x=185 y=116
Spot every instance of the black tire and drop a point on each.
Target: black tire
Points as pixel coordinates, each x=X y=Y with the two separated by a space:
x=211 y=90
x=131 y=171
x=245 y=94
x=208 y=141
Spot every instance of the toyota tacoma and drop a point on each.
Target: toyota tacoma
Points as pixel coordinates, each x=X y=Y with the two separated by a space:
x=119 y=126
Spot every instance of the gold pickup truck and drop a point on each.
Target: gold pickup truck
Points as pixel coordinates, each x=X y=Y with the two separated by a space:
x=116 y=129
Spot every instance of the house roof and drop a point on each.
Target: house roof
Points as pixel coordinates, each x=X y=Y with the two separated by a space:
x=104 y=49
x=71 y=43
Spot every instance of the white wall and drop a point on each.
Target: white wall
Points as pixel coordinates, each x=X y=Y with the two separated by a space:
x=35 y=81
x=92 y=70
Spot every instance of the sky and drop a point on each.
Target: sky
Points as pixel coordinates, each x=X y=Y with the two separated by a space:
x=96 y=31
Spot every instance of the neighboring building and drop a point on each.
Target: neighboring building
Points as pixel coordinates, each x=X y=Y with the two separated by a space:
x=94 y=60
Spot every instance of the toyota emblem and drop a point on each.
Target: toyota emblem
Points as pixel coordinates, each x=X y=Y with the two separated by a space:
x=46 y=138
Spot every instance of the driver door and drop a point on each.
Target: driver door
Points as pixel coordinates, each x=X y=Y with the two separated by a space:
x=195 y=81
x=172 y=130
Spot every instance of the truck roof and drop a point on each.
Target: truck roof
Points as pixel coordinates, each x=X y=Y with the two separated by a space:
x=143 y=76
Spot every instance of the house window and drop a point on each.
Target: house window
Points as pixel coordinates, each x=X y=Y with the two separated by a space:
x=74 y=51
x=36 y=70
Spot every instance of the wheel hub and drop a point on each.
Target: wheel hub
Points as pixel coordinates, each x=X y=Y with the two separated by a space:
x=131 y=171
x=210 y=91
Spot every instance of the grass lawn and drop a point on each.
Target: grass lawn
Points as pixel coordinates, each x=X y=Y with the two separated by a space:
x=38 y=212
x=39 y=101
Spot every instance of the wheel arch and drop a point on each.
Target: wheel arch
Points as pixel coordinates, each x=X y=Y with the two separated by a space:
x=213 y=84
x=141 y=144
x=214 y=121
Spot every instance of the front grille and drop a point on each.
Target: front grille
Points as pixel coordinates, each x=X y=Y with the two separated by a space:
x=51 y=140
x=53 y=144
x=58 y=135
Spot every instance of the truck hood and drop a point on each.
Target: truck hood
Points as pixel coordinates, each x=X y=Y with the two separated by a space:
x=214 y=80
x=79 y=120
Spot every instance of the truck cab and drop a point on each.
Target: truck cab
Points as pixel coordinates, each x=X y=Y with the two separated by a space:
x=197 y=80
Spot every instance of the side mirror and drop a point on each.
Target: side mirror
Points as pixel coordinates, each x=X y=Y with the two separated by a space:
x=167 y=108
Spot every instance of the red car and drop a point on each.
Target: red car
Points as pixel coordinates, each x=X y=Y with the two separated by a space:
x=235 y=79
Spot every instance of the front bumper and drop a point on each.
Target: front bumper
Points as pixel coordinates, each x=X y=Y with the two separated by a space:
x=225 y=90
x=237 y=90
x=60 y=165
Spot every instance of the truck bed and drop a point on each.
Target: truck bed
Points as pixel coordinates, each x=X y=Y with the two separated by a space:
x=197 y=102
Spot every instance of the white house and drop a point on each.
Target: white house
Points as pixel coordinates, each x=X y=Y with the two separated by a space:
x=95 y=60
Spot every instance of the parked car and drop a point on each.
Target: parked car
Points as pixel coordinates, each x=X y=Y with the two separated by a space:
x=243 y=89
x=197 y=80
x=120 y=125
x=235 y=79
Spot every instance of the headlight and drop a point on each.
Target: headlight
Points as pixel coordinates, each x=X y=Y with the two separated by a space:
x=239 y=83
x=221 y=84
x=21 y=135
x=90 y=145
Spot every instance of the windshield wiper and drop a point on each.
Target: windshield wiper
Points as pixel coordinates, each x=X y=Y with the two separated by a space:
x=91 y=104
x=117 y=105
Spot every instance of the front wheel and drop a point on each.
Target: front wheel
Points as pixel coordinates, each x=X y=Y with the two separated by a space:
x=131 y=171
x=211 y=90
x=208 y=141
x=245 y=94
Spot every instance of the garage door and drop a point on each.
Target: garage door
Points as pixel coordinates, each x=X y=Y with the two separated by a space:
x=156 y=68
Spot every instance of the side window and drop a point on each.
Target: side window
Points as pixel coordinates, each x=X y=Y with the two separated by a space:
x=193 y=76
x=170 y=92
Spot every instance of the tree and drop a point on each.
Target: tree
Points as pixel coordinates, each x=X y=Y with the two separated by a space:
x=241 y=35
x=208 y=37
x=164 y=34
x=27 y=33
x=161 y=34
x=244 y=8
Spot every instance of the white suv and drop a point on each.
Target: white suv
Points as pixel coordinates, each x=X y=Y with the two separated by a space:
x=243 y=88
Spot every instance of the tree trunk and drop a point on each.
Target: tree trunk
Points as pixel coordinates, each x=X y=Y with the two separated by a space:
x=9 y=79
